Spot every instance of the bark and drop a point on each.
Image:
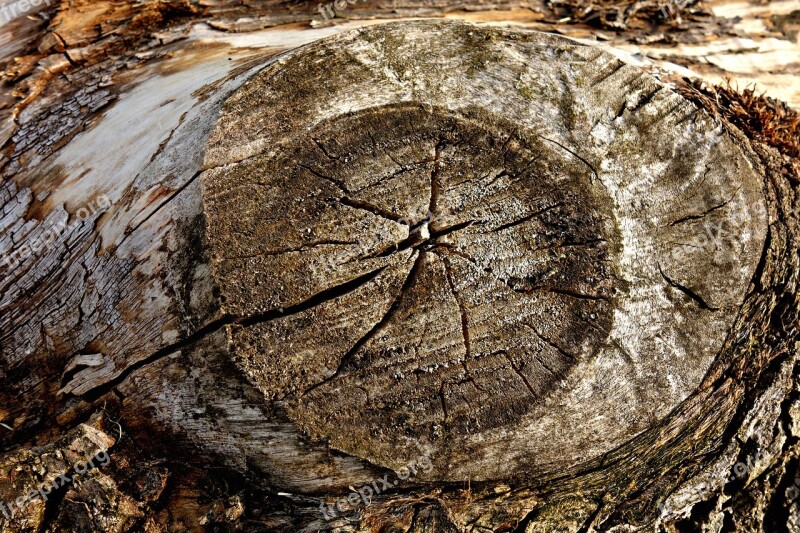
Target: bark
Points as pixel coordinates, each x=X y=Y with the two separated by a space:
x=486 y=279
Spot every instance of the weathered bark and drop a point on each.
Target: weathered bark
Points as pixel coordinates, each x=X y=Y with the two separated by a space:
x=563 y=294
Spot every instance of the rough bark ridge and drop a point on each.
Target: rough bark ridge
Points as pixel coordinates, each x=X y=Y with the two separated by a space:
x=172 y=316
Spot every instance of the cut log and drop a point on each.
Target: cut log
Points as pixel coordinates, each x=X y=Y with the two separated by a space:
x=494 y=280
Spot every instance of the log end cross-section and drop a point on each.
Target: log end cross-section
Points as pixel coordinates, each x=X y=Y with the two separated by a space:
x=491 y=248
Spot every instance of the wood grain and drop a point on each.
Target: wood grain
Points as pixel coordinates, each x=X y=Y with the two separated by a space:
x=167 y=308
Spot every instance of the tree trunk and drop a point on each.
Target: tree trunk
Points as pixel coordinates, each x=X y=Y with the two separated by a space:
x=264 y=271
